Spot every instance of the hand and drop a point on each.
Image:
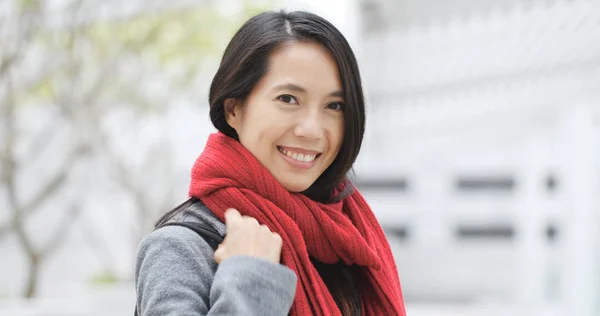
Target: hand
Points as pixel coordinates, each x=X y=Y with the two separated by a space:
x=246 y=237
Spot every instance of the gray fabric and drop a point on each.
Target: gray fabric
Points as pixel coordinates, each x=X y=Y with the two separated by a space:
x=176 y=275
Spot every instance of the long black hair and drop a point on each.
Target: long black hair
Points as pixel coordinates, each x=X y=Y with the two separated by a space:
x=245 y=61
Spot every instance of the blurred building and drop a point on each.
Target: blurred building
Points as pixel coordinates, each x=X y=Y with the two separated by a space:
x=481 y=156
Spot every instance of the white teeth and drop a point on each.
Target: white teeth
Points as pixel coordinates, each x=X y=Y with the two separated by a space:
x=299 y=157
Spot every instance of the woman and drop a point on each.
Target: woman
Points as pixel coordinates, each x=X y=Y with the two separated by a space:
x=288 y=105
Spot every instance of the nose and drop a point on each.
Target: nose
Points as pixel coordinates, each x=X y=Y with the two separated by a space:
x=310 y=125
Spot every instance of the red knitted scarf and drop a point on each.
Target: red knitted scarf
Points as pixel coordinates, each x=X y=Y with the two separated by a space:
x=227 y=175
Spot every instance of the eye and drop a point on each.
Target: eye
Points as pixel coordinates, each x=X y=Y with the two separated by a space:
x=336 y=106
x=286 y=98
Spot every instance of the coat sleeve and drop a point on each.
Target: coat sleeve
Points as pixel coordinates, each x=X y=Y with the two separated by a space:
x=176 y=275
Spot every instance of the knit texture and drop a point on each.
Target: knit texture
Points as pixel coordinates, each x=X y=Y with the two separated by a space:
x=226 y=175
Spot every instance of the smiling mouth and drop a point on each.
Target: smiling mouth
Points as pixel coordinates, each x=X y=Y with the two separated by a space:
x=300 y=157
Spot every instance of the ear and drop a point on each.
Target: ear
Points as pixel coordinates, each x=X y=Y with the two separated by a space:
x=233 y=112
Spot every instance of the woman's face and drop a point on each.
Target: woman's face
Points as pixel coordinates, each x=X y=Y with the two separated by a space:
x=293 y=120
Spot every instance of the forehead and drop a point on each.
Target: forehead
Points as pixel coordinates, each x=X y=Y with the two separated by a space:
x=306 y=64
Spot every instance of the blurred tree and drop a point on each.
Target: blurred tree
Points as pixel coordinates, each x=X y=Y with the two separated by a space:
x=64 y=77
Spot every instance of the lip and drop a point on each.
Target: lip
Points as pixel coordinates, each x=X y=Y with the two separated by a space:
x=299 y=164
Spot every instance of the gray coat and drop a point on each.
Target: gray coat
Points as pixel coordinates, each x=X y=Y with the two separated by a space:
x=176 y=274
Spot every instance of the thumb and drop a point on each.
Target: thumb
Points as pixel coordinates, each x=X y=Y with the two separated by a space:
x=219 y=254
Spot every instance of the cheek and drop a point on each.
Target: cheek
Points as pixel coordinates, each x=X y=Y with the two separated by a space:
x=337 y=136
x=259 y=131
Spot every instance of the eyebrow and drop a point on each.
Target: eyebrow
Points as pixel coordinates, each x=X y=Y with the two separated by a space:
x=293 y=87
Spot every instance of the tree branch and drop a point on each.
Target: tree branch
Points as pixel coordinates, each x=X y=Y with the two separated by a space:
x=40 y=142
x=49 y=189
x=18 y=226
x=6 y=64
x=52 y=186
x=61 y=231
x=8 y=161
x=5 y=229
x=97 y=243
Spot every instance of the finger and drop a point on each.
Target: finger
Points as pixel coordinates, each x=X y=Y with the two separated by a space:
x=232 y=216
x=219 y=254
x=224 y=242
x=264 y=228
x=250 y=219
x=278 y=238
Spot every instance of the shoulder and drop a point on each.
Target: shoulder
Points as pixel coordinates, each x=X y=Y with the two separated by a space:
x=174 y=270
x=170 y=236
x=174 y=254
x=198 y=211
x=173 y=247
x=179 y=241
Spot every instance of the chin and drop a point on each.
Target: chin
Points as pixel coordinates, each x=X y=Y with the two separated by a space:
x=295 y=187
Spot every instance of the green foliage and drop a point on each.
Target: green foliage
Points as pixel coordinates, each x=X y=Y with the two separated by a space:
x=105 y=278
x=28 y=4
x=174 y=43
x=45 y=89
x=173 y=37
